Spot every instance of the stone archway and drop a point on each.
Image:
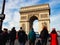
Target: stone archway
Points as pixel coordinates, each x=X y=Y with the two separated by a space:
x=30 y=13
x=31 y=21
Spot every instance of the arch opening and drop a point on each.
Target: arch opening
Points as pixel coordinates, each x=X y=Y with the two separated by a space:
x=32 y=22
x=35 y=26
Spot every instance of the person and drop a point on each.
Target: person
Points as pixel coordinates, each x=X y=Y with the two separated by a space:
x=1 y=37
x=38 y=43
x=12 y=36
x=5 y=36
x=32 y=37
x=54 y=35
x=16 y=35
x=22 y=36
x=44 y=36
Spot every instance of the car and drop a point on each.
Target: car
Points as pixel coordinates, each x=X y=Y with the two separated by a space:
x=37 y=35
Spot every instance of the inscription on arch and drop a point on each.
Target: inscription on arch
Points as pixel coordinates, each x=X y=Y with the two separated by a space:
x=23 y=17
x=44 y=15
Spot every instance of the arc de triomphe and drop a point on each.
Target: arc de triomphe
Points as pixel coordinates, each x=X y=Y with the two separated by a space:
x=31 y=13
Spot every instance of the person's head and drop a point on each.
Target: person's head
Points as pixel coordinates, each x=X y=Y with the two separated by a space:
x=32 y=28
x=53 y=30
x=44 y=28
x=5 y=29
x=38 y=40
x=13 y=28
x=21 y=28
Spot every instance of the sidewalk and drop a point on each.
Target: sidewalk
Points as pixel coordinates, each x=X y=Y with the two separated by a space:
x=27 y=43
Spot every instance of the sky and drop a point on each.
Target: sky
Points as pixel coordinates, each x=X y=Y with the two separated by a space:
x=12 y=16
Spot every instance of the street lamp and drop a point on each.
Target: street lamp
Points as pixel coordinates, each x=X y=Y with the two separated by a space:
x=2 y=15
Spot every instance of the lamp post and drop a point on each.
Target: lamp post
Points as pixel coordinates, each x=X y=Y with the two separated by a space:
x=2 y=15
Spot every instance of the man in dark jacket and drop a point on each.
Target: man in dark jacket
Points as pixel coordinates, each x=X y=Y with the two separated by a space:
x=22 y=36
x=12 y=36
x=1 y=37
x=5 y=36
x=44 y=35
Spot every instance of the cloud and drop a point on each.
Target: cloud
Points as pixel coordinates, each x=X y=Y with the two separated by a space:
x=54 y=6
x=12 y=9
x=54 y=2
x=0 y=6
x=55 y=21
x=14 y=21
x=28 y=3
x=55 y=14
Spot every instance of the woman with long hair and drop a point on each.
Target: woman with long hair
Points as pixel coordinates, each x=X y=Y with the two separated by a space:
x=44 y=36
x=54 y=35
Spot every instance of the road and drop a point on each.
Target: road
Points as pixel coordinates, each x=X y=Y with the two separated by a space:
x=27 y=43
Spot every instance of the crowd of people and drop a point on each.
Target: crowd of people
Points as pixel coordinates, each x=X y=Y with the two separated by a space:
x=31 y=37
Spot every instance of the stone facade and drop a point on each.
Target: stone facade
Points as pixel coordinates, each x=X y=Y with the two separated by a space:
x=31 y=13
